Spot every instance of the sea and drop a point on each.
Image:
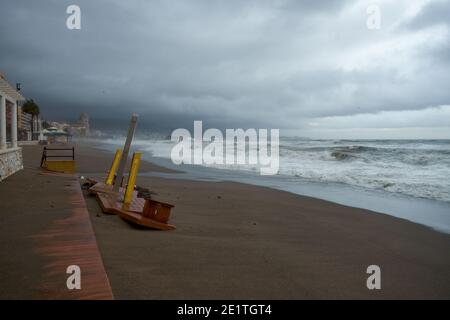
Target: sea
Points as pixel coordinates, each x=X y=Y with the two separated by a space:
x=409 y=179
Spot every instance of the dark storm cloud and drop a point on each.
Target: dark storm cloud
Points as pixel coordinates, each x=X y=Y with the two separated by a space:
x=433 y=13
x=233 y=63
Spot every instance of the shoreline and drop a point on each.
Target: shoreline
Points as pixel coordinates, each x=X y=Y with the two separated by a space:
x=240 y=241
x=396 y=205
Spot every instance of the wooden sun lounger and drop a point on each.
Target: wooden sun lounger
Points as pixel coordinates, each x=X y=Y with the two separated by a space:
x=100 y=187
x=145 y=212
x=144 y=221
x=112 y=204
x=125 y=202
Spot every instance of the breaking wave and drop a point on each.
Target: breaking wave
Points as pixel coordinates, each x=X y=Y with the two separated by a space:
x=419 y=168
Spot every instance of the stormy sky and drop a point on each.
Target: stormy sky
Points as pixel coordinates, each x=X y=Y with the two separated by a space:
x=310 y=68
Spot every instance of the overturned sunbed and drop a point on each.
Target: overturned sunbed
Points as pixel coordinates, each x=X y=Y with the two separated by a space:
x=125 y=202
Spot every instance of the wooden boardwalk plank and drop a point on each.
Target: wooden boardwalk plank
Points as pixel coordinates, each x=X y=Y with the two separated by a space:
x=71 y=241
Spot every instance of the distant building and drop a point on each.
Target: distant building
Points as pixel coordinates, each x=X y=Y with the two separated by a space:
x=24 y=120
x=59 y=125
x=28 y=127
x=81 y=127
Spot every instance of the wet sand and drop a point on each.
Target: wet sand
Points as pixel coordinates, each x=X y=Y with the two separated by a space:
x=236 y=241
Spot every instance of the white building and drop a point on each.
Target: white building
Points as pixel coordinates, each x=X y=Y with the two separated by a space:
x=10 y=154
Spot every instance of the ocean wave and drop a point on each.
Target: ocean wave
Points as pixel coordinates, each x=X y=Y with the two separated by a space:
x=342 y=155
x=417 y=168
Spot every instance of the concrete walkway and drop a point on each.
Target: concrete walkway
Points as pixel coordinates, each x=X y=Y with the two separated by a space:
x=44 y=228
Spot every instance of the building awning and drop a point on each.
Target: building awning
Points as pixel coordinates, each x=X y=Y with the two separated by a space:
x=9 y=91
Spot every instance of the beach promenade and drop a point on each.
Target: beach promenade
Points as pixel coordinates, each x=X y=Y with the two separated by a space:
x=45 y=228
x=233 y=241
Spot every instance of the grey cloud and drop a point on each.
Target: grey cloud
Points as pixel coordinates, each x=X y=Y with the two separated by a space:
x=435 y=12
x=229 y=63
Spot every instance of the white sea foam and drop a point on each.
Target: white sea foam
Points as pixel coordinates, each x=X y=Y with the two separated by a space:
x=420 y=168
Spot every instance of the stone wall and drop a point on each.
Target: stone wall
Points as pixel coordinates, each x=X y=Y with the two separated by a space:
x=10 y=162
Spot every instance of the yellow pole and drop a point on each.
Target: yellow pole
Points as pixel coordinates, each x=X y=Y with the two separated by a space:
x=115 y=164
x=132 y=179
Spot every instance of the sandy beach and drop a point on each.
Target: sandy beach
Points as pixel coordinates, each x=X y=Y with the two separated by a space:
x=236 y=241
x=290 y=150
